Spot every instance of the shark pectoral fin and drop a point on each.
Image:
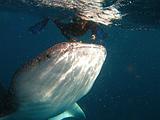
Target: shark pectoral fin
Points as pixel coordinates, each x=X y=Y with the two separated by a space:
x=74 y=111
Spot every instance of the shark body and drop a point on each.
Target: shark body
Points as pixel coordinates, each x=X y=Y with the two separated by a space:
x=48 y=87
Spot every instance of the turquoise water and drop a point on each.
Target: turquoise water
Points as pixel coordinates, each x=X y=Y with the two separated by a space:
x=128 y=87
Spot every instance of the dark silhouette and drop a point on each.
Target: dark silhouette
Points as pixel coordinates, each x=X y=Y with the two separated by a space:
x=75 y=28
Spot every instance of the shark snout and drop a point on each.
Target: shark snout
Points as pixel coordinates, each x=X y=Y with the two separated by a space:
x=82 y=48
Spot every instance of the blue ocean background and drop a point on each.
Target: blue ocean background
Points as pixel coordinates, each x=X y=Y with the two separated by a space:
x=128 y=87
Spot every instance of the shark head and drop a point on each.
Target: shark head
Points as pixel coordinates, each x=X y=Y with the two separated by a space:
x=50 y=85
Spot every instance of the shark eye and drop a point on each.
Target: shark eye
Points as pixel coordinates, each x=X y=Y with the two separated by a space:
x=48 y=56
x=91 y=16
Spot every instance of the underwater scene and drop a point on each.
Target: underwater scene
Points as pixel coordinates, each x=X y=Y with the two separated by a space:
x=79 y=60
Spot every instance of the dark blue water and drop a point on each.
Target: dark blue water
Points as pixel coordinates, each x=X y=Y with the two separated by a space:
x=128 y=87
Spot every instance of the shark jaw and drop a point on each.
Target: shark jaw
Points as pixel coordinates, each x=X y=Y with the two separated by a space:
x=50 y=85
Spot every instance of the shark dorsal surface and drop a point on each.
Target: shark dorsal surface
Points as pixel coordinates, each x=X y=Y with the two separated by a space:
x=49 y=86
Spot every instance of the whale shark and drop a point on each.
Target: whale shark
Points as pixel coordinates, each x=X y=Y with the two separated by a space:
x=49 y=86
